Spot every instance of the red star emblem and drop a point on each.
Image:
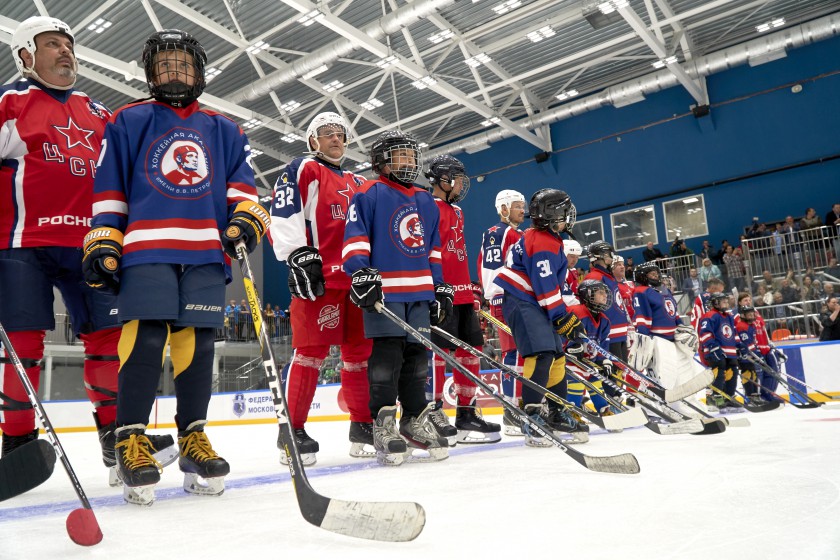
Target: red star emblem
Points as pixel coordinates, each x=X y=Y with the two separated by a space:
x=493 y=229
x=346 y=193
x=76 y=136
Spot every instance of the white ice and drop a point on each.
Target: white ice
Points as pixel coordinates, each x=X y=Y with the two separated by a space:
x=768 y=491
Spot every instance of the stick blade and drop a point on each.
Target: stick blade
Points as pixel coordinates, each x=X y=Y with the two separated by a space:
x=27 y=467
x=712 y=426
x=693 y=385
x=83 y=528
x=692 y=426
x=630 y=418
x=377 y=521
x=625 y=463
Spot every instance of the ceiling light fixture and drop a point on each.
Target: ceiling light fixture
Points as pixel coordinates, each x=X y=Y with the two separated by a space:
x=568 y=94
x=778 y=22
x=477 y=60
x=506 y=6
x=424 y=82
x=257 y=47
x=100 y=25
x=441 y=36
x=371 y=104
x=310 y=18
x=541 y=33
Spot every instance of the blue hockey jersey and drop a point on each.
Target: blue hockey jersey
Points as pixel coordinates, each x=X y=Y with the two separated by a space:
x=496 y=243
x=597 y=329
x=718 y=329
x=655 y=314
x=616 y=313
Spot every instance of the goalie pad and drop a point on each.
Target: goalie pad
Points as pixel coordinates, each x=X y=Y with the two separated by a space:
x=686 y=339
x=674 y=368
x=641 y=352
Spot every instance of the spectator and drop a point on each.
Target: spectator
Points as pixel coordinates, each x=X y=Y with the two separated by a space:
x=790 y=227
x=706 y=251
x=817 y=288
x=770 y=283
x=833 y=270
x=830 y=320
x=735 y=269
x=757 y=230
x=243 y=320
x=230 y=320
x=628 y=267
x=811 y=220
x=762 y=296
x=692 y=285
x=789 y=292
x=270 y=320
x=652 y=253
x=680 y=249
x=832 y=219
x=708 y=271
x=779 y=311
x=717 y=257
x=828 y=288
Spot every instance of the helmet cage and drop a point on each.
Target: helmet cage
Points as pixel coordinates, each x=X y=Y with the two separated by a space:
x=403 y=168
x=641 y=274
x=447 y=169
x=175 y=93
x=588 y=289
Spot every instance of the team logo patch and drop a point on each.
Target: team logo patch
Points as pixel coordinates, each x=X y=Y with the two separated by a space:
x=328 y=317
x=726 y=330
x=98 y=109
x=407 y=231
x=239 y=404
x=110 y=264
x=670 y=308
x=178 y=164
x=618 y=299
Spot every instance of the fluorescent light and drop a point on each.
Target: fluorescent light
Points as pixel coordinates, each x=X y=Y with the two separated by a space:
x=424 y=82
x=312 y=73
x=691 y=200
x=252 y=123
x=255 y=152
x=477 y=60
x=541 y=33
x=778 y=22
x=332 y=86
x=612 y=5
x=290 y=106
x=290 y=137
x=568 y=94
x=310 y=18
x=371 y=104
x=211 y=73
x=491 y=121
x=100 y=25
x=257 y=47
x=423 y=145
x=665 y=62
x=387 y=61
x=506 y=6
x=441 y=36
x=362 y=166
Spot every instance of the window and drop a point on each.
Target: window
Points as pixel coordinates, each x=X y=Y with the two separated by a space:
x=685 y=218
x=589 y=230
x=633 y=228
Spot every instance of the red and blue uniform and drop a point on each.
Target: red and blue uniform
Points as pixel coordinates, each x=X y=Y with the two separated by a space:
x=655 y=313
x=598 y=330
x=616 y=313
x=717 y=329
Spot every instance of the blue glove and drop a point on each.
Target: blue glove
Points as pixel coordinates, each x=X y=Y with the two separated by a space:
x=780 y=356
x=715 y=353
x=743 y=352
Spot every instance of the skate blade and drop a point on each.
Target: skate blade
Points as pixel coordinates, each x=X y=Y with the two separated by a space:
x=572 y=438
x=308 y=459
x=362 y=450
x=114 y=479
x=139 y=495
x=536 y=442
x=195 y=484
x=427 y=455
x=513 y=431
x=167 y=455
x=390 y=459
x=467 y=436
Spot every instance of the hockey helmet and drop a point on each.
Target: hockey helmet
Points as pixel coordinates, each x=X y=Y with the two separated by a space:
x=599 y=250
x=551 y=207
x=588 y=291
x=572 y=247
x=507 y=197
x=24 y=38
x=177 y=94
x=327 y=122
x=642 y=271
x=447 y=169
x=403 y=168
x=747 y=313
x=720 y=302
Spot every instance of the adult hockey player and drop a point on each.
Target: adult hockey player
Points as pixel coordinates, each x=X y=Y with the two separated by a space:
x=701 y=302
x=450 y=184
x=718 y=348
x=405 y=277
x=308 y=212
x=573 y=251
x=496 y=242
x=533 y=307
x=50 y=137
x=164 y=245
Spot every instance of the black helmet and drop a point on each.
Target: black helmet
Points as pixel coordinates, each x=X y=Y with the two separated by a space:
x=640 y=274
x=599 y=250
x=446 y=169
x=743 y=310
x=177 y=94
x=587 y=291
x=381 y=155
x=550 y=207
x=719 y=301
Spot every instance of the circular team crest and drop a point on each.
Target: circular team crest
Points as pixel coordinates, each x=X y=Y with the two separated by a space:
x=178 y=165
x=239 y=404
x=407 y=231
x=618 y=299
x=726 y=330
x=670 y=307
x=328 y=317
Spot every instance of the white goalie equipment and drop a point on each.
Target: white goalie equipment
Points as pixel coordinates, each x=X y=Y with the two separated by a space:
x=640 y=351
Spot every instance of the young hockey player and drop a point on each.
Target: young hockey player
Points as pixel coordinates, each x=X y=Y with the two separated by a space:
x=450 y=184
x=769 y=353
x=746 y=333
x=496 y=243
x=50 y=136
x=308 y=212
x=163 y=245
x=533 y=308
x=718 y=349
x=392 y=252
x=701 y=302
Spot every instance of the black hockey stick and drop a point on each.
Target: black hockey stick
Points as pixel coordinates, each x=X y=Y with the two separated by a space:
x=82 y=526
x=378 y=521
x=29 y=466
x=627 y=419
x=791 y=379
x=765 y=407
x=809 y=402
x=625 y=463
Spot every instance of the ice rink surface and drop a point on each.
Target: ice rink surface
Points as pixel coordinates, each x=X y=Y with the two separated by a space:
x=767 y=491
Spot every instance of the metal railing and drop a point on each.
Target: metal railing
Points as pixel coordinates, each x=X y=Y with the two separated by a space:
x=798 y=250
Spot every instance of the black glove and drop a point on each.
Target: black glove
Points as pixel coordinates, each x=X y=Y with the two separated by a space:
x=780 y=356
x=742 y=352
x=366 y=288
x=101 y=258
x=306 y=276
x=248 y=224
x=715 y=353
x=569 y=326
x=441 y=308
x=575 y=349
x=608 y=367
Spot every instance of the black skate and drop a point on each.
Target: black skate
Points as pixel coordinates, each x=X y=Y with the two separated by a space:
x=472 y=428
x=10 y=443
x=419 y=433
x=443 y=428
x=204 y=471
x=561 y=421
x=361 y=440
x=390 y=446
x=732 y=406
x=307 y=447
x=512 y=424
x=163 y=448
x=136 y=466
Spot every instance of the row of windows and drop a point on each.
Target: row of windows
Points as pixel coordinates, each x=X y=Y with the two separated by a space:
x=684 y=218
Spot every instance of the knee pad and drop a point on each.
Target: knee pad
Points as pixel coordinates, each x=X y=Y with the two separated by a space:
x=385 y=359
x=102 y=364
x=557 y=372
x=302 y=380
x=191 y=350
x=143 y=342
x=15 y=407
x=536 y=369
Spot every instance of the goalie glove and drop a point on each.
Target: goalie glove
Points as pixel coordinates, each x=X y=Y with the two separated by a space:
x=441 y=308
x=102 y=251
x=569 y=326
x=248 y=224
x=306 y=276
x=641 y=352
x=366 y=288
x=687 y=337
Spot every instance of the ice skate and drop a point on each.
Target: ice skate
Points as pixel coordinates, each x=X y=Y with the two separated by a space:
x=163 y=449
x=361 y=440
x=567 y=420
x=472 y=428
x=204 y=471
x=10 y=443
x=512 y=424
x=420 y=434
x=307 y=447
x=443 y=428
x=714 y=402
x=390 y=446
x=532 y=437
x=137 y=468
x=732 y=406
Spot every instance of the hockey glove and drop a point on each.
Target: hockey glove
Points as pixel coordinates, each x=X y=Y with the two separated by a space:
x=441 y=308
x=742 y=353
x=608 y=367
x=102 y=251
x=366 y=288
x=641 y=352
x=306 y=276
x=248 y=224
x=476 y=290
x=575 y=349
x=687 y=337
x=780 y=356
x=569 y=326
x=715 y=354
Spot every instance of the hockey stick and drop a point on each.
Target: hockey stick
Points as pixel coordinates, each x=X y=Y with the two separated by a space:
x=81 y=523
x=625 y=463
x=29 y=466
x=767 y=406
x=378 y=521
x=615 y=422
x=791 y=379
x=808 y=401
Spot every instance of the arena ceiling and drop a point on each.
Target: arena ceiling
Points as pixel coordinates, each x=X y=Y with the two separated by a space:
x=445 y=70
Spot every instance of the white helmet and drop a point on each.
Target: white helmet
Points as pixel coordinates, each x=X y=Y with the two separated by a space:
x=24 y=38
x=508 y=197
x=617 y=259
x=572 y=247
x=321 y=120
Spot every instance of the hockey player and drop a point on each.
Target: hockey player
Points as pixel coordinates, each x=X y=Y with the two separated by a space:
x=50 y=138
x=746 y=341
x=573 y=251
x=625 y=287
x=718 y=348
x=701 y=302
x=307 y=229
x=391 y=266
x=450 y=184
x=533 y=308
x=163 y=245
x=495 y=247
x=771 y=355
